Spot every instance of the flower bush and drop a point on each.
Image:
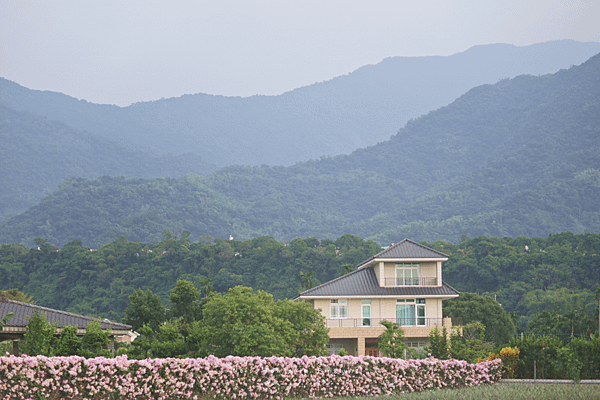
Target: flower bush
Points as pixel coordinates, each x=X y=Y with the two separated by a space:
x=232 y=377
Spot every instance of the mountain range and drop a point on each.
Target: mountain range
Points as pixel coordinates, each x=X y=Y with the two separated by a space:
x=520 y=157
x=329 y=118
x=49 y=136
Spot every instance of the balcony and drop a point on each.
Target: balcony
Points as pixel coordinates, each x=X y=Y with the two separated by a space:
x=376 y=322
x=395 y=282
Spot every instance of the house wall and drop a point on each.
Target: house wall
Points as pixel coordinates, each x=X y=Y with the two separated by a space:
x=380 y=308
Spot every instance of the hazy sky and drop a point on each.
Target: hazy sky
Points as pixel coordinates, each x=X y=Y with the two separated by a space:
x=119 y=52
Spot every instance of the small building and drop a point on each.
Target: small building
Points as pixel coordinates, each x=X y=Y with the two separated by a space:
x=17 y=325
x=403 y=284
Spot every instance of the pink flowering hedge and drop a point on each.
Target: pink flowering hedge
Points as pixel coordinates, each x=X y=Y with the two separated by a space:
x=232 y=377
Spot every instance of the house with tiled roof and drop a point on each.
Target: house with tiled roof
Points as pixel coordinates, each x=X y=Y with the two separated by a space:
x=403 y=284
x=17 y=325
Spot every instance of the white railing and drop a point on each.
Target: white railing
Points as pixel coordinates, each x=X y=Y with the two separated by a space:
x=394 y=282
x=376 y=322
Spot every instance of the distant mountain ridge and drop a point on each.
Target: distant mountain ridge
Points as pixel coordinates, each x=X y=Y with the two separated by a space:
x=517 y=158
x=335 y=117
x=37 y=154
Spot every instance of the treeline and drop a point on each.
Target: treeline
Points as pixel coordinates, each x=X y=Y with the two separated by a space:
x=98 y=282
x=528 y=276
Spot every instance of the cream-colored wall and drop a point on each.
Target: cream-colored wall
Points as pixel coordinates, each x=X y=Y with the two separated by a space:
x=354 y=308
x=377 y=274
x=380 y=308
x=428 y=270
x=324 y=306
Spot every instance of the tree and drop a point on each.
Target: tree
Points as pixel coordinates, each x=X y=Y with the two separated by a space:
x=168 y=342
x=467 y=343
x=391 y=341
x=3 y=323
x=347 y=269
x=438 y=343
x=597 y=297
x=185 y=302
x=68 y=343
x=307 y=280
x=309 y=333
x=17 y=295
x=564 y=326
x=140 y=348
x=470 y=307
x=541 y=350
x=4 y=320
x=242 y=323
x=95 y=340
x=207 y=287
x=247 y=323
x=40 y=336
x=145 y=308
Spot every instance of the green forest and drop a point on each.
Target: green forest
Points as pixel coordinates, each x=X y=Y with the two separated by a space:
x=517 y=158
x=531 y=277
x=37 y=154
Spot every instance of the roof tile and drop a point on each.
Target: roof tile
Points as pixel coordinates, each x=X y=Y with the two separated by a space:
x=363 y=282
x=24 y=310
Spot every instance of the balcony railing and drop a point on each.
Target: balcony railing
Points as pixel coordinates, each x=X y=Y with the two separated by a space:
x=393 y=282
x=376 y=322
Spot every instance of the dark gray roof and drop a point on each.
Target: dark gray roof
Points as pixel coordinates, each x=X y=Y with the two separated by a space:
x=23 y=310
x=409 y=249
x=363 y=282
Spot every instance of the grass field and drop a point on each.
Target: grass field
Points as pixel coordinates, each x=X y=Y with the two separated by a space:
x=509 y=391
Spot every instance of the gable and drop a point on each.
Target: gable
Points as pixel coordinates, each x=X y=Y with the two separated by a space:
x=409 y=249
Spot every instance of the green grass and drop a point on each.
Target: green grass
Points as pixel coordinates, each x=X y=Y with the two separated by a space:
x=510 y=391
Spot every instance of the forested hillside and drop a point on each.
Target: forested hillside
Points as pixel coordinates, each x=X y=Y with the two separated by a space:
x=335 y=117
x=518 y=158
x=528 y=275
x=37 y=154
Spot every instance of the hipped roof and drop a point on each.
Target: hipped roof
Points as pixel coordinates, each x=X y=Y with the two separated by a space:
x=363 y=281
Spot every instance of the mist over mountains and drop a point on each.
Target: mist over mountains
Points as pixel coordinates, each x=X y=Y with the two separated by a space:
x=520 y=157
x=329 y=118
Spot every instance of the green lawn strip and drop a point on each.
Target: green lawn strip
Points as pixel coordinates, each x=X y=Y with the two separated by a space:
x=512 y=391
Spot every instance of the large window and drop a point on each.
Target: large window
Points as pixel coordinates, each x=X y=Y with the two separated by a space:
x=339 y=308
x=410 y=312
x=366 y=312
x=408 y=274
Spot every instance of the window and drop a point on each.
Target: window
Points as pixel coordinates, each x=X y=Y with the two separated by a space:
x=408 y=274
x=410 y=312
x=339 y=308
x=415 y=345
x=366 y=312
x=334 y=348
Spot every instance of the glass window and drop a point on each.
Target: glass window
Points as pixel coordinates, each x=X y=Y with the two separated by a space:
x=408 y=274
x=339 y=308
x=366 y=312
x=410 y=312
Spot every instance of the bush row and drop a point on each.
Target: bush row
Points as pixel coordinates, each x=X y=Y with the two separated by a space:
x=232 y=377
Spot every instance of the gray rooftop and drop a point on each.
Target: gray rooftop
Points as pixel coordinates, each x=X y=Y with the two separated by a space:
x=363 y=282
x=24 y=310
x=409 y=249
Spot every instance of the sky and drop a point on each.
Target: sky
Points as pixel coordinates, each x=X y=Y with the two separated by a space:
x=122 y=52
